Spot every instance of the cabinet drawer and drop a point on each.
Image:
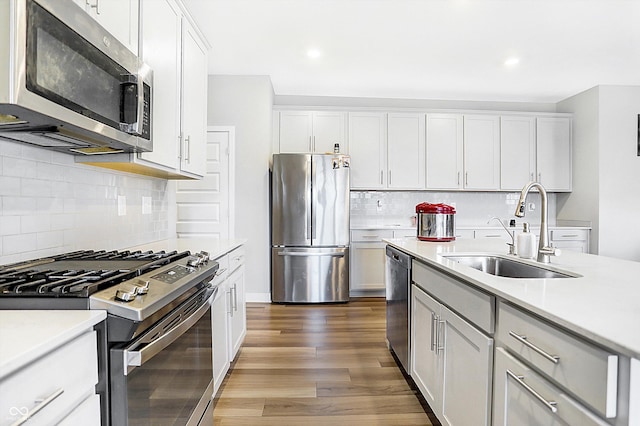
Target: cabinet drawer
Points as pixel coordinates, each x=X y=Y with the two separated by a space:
x=475 y=305
x=72 y=368
x=569 y=234
x=86 y=414
x=465 y=234
x=405 y=233
x=498 y=234
x=521 y=397
x=584 y=369
x=364 y=235
x=236 y=258
x=223 y=270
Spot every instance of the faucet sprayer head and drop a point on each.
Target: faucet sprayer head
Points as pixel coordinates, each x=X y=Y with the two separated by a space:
x=520 y=208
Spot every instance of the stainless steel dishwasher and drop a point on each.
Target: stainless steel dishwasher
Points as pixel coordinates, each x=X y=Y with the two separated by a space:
x=398 y=285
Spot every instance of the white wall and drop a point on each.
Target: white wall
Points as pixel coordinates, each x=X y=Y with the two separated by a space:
x=51 y=205
x=607 y=168
x=246 y=103
x=583 y=203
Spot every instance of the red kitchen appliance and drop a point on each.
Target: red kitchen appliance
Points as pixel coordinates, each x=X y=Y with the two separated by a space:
x=436 y=222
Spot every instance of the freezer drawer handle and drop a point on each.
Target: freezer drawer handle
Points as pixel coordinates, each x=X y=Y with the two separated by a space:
x=299 y=254
x=523 y=339
x=551 y=405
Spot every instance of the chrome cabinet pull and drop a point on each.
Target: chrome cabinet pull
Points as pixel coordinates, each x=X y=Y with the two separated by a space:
x=466 y=178
x=531 y=177
x=458 y=178
x=434 y=320
x=389 y=177
x=230 y=311
x=310 y=145
x=41 y=403
x=314 y=144
x=551 y=405
x=95 y=6
x=187 y=149
x=381 y=176
x=540 y=177
x=235 y=297
x=440 y=334
x=523 y=339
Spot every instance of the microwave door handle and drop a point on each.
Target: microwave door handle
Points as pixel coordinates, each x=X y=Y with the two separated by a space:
x=129 y=80
x=136 y=358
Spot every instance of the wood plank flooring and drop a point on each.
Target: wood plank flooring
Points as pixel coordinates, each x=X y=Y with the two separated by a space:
x=317 y=365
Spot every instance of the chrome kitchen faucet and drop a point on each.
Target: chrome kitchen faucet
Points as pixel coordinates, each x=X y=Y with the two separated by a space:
x=544 y=249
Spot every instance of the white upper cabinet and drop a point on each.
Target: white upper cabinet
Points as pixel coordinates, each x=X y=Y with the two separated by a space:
x=554 y=155
x=312 y=131
x=518 y=152
x=178 y=56
x=405 y=151
x=444 y=151
x=194 y=102
x=368 y=148
x=161 y=50
x=119 y=17
x=481 y=152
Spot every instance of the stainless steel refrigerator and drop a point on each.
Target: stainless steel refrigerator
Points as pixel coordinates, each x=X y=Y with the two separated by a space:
x=310 y=228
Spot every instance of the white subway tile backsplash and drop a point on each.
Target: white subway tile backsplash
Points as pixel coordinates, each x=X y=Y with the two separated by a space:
x=35 y=223
x=21 y=243
x=50 y=205
x=9 y=185
x=9 y=225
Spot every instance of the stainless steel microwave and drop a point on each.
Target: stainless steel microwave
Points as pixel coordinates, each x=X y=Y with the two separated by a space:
x=68 y=84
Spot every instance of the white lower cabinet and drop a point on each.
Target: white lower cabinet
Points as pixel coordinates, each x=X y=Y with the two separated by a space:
x=451 y=362
x=228 y=314
x=367 y=260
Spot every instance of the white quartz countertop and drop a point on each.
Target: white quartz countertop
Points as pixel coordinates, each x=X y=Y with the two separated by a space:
x=215 y=247
x=602 y=305
x=28 y=335
x=403 y=227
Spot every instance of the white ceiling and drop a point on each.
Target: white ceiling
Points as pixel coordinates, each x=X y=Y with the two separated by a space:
x=426 y=49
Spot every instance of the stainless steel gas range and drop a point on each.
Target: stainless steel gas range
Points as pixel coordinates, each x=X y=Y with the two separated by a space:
x=155 y=357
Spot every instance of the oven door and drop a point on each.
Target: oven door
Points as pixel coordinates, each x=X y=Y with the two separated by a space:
x=166 y=375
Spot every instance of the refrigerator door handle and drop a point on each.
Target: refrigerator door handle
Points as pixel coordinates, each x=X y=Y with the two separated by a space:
x=310 y=230
x=305 y=254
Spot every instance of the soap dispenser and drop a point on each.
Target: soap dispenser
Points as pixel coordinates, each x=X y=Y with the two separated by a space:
x=526 y=243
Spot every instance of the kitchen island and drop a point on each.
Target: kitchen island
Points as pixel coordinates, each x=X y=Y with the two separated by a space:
x=524 y=324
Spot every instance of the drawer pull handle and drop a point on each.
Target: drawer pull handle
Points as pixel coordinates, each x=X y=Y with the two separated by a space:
x=523 y=339
x=569 y=236
x=41 y=403
x=434 y=322
x=551 y=405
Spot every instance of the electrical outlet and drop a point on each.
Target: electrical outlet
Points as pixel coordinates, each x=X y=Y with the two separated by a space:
x=531 y=207
x=146 y=205
x=122 y=205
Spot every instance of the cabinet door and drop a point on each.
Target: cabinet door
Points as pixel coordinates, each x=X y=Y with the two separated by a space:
x=367 y=266
x=425 y=365
x=466 y=372
x=554 y=153
x=161 y=48
x=329 y=129
x=405 y=151
x=238 y=318
x=481 y=152
x=517 y=152
x=522 y=397
x=220 y=327
x=367 y=147
x=296 y=131
x=444 y=151
x=194 y=102
x=119 y=17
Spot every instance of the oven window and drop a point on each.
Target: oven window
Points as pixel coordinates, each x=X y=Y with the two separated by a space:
x=68 y=70
x=166 y=389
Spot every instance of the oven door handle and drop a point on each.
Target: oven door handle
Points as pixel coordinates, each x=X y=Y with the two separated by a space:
x=136 y=358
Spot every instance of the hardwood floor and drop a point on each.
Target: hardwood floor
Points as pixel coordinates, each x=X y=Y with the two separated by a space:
x=317 y=365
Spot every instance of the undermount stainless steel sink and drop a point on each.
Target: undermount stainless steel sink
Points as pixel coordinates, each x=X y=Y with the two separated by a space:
x=506 y=267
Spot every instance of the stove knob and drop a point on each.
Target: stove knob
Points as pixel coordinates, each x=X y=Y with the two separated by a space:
x=126 y=294
x=204 y=255
x=142 y=286
x=194 y=261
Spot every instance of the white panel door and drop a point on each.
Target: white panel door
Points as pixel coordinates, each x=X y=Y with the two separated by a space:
x=425 y=362
x=161 y=35
x=405 y=151
x=194 y=102
x=444 y=151
x=329 y=129
x=204 y=206
x=467 y=372
x=517 y=152
x=554 y=153
x=367 y=147
x=481 y=152
x=295 y=131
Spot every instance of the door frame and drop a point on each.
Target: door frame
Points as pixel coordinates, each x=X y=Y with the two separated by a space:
x=230 y=155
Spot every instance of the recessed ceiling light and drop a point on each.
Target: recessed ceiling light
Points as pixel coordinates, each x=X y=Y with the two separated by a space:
x=511 y=62
x=314 y=53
